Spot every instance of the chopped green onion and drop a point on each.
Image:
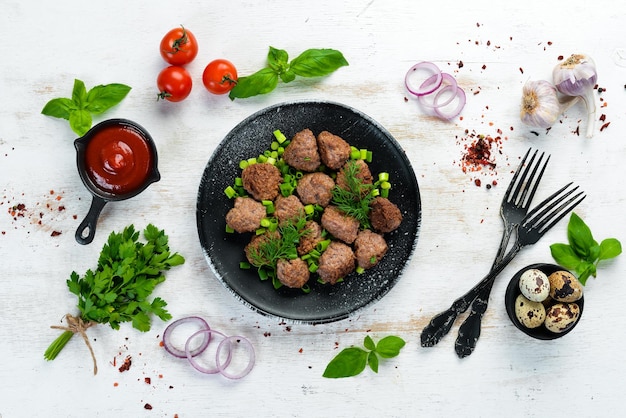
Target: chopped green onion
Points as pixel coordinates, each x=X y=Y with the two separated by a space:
x=313 y=267
x=280 y=137
x=243 y=164
x=260 y=231
x=355 y=154
x=265 y=223
x=261 y=158
x=271 y=160
x=263 y=274
x=363 y=154
x=252 y=161
x=286 y=189
x=238 y=181
x=375 y=192
x=244 y=265
x=230 y=192
x=322 y=245
x=274 y=145
x=384 y=193
x=369 y=156
x=229 y=230
x=383 y=176
x=309 y=209
x=385 y=185
x=360 y=270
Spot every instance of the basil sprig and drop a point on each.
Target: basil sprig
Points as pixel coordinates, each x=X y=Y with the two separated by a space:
x=352 y=361
x=79 y=109
x=583 y=253
x=311 y=63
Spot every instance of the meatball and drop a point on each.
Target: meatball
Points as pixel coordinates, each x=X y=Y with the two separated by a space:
x=334 y=151
x=288 y=209
x=245 y=215
x=302 y=153
x=256 y=249
x=340 y=225
x=361 y=172
x=336 y=262
x=292 y=273
x=384 y=215
x=369 y=248
x=311 y=237
x=262 y=181
x=315 y=189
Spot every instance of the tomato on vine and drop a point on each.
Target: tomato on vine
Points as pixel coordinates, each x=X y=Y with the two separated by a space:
x=174 y=83
x=219 y=76
x=179 y=46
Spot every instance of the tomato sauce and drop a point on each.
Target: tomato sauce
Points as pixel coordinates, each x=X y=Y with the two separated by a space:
x=118 y=159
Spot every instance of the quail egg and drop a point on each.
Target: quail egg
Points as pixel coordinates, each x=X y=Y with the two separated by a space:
x=564 y=287
x=530 y=314
x=561 y=317
x=534 y=285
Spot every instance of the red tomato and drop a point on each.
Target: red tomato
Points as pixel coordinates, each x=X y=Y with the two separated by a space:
x=220 y=76
x=179 y=46
x=174 y=83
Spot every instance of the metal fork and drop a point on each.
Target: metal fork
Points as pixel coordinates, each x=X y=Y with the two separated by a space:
x=536 y=223
x=515 y=205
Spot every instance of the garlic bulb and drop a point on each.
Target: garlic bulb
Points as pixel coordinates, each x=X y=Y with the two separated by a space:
x=540 y=104
x=577 y=76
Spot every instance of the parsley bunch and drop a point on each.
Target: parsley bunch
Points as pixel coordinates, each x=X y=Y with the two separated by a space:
x=119 y=289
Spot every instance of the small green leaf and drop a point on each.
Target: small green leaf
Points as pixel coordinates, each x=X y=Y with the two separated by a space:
x=278 y=60
x=349 y=362
x=372 y=361
x=59 y=108
x=261 y=82
x=565 y=256
x=579 y=236
x=80 y=121
x=103 y=97
x=317 y=62
x=390 y=346
x=369 y=343
x=79 y=94
x=609 y=248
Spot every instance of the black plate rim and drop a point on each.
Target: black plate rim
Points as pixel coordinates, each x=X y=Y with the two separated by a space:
x=321 y=319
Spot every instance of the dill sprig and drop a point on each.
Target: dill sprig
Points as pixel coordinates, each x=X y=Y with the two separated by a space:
x=356 y=199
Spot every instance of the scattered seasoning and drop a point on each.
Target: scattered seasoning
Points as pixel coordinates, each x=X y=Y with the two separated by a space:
x=147 y=380
x=147 y=406
x=460 y=64
x=604 y=126
x=126 y=365
x=521 y=70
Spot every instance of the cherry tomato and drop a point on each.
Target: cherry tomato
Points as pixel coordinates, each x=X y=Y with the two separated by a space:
x=219 y=76
x=179 y=46
x=174 y=83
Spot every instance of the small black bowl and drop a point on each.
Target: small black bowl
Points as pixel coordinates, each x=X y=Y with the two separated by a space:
x=87 y=228
x=513 y=291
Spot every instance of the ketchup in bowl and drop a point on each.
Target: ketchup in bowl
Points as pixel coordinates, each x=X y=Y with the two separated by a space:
x=118 y=159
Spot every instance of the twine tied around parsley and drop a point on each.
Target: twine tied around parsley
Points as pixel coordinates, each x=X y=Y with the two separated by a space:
x=76 y=325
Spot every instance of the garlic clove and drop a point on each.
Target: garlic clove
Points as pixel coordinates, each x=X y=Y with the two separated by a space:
x=540 y=105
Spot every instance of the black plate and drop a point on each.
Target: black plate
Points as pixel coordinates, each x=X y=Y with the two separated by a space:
x=224 y=251
x=513 y=291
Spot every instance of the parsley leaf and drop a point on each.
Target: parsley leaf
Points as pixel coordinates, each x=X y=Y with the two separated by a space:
x=583 y=253
x=352 y=361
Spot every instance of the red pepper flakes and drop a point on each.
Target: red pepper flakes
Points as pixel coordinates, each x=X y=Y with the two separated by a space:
x=604 y=126
x=147 y=380
x=126 y=365
x=147 y=406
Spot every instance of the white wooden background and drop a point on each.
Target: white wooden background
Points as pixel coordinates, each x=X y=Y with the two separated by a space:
x=45 y=45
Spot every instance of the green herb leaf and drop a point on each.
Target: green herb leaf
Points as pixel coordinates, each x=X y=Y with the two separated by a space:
x=261 y=82
x=78 y=109
x=317 y=62
x=278 y=60
x=349 y=362
x=583 y=253
x=353 y=360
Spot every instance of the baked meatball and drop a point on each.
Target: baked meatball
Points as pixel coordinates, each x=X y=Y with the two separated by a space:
x=311 y=237
x=369 y=248
x=245 y=215
x=256 y=252
x=361 y=172
x=288 y=209
x=293 y=273
x=302 y=153
x=384 y=215
x=334 y=151
x=340 y=225
x=336 y=262
x=262 y=181
x=315 y=189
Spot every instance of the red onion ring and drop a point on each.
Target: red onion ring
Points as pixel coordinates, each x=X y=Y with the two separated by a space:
x=176 y=352
x=446 y=81
x=460 y=95
x=251 y=357
x=426 y=87
x=195 y=364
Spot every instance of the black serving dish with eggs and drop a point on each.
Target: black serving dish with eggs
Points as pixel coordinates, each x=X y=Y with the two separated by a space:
x=541 y=332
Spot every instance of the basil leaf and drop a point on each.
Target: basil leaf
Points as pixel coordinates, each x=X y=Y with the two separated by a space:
x=609 y=248
x=369 y=343
x=390 y=346
x=565 y=256
x=579 y=236
x=59 y=108
x=278 y=60
x=349 y=362
x=79 y=94
x=288 y=76
x=317 y=62
x=586 y=270
x=101 y=98
x=80 y=121
x=261 y=82
x=372 y=361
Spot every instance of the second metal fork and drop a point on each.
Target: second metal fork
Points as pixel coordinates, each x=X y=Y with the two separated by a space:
x=515 y=205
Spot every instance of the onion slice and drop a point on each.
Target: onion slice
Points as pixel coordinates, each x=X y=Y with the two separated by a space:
x=444 y=112
x=177 y=352
x=447 y=82
x=194 y=363
x=229 y=341
x=431 y=83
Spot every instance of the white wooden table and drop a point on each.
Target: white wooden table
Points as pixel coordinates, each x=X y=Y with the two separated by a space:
x=46 y=45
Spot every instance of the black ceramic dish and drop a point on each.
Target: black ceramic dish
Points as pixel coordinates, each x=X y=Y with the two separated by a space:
x=224 y=251
x=513 y=290
x=87 y=229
